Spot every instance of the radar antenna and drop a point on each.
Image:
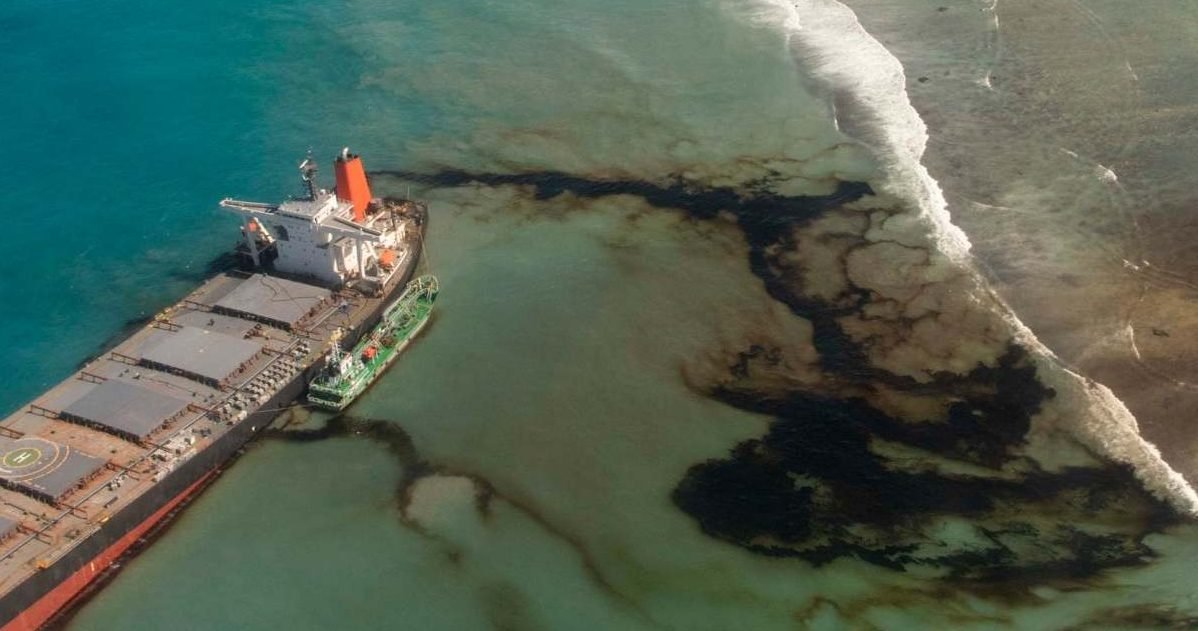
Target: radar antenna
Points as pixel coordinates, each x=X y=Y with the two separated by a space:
x=307 y=170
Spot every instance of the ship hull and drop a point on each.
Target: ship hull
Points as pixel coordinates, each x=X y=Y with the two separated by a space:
x=359 y=388
x=73 y=586
x=353 y=395
x=47 y=593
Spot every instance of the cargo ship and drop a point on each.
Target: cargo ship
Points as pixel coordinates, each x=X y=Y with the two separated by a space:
x=95 y=464
x=347 y=375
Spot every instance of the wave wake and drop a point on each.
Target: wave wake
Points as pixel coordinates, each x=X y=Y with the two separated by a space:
x=866 y=88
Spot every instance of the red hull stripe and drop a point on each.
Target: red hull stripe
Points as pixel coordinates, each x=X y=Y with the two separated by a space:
x=40 y=612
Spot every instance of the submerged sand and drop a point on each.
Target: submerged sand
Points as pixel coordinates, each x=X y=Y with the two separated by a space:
x=1061 y=133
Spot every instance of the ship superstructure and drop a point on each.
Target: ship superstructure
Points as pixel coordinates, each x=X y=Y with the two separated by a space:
x=93 y=464
x=331 y=237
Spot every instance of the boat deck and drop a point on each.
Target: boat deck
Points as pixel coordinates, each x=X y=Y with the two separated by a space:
x=89 y=446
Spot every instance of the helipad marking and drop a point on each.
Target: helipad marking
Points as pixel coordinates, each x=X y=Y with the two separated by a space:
x=22 y=457
x=23 y=461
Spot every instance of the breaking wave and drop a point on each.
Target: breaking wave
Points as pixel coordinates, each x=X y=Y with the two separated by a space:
x=866 y=88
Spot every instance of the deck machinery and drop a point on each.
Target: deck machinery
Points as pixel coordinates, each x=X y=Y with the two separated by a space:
x=93 y=464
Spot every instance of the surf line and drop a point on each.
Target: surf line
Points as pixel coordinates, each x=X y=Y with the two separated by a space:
x=834 y=51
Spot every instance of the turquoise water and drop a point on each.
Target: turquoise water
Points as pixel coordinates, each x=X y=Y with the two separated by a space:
x=680 y=271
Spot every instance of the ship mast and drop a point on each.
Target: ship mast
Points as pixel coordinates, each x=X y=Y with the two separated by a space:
x=336 y=354
x=307 y=170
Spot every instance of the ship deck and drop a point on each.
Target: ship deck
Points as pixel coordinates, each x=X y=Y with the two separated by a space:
x=88 y=447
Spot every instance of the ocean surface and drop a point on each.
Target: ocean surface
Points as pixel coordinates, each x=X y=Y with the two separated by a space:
x=755 y=315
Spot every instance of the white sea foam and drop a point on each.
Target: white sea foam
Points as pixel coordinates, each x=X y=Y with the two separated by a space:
x=1100 y=419
x=1101 y=171
x=867 y=86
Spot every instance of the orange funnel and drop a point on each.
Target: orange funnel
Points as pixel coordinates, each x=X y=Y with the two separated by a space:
x=351 y=183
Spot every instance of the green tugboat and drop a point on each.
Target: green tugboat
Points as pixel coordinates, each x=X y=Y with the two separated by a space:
x=347 y=375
